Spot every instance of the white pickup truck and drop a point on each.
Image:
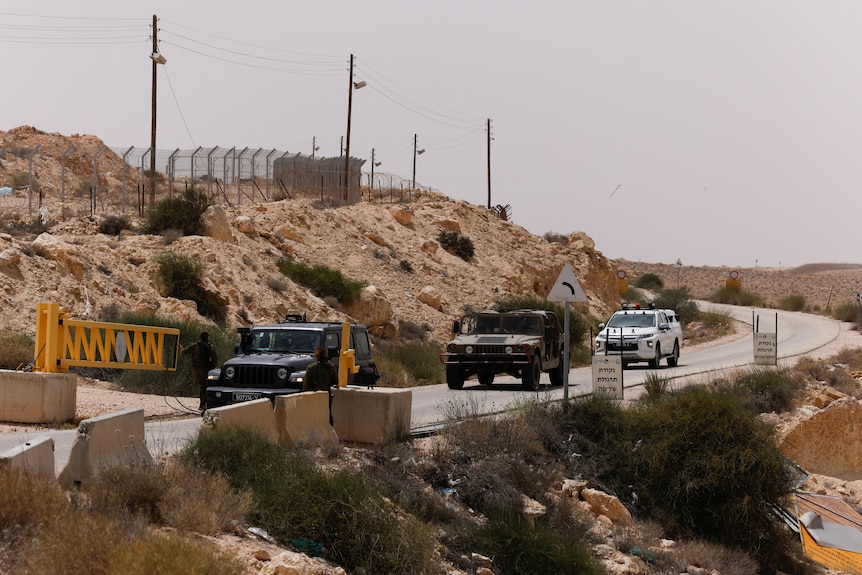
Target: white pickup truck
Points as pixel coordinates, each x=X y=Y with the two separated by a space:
x=641 y=335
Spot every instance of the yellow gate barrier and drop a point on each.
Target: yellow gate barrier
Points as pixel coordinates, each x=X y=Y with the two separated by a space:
x=62 y=342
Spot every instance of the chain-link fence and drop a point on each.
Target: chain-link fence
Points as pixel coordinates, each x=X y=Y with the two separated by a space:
x=122 y=181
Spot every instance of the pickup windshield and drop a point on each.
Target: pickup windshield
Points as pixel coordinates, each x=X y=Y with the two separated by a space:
x=632 y=320
x=283 y=341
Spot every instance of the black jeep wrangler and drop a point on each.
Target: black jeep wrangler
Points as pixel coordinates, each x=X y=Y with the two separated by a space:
x=271 y=360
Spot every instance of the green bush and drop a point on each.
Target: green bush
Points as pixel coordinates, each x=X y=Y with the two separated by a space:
x=182 y=278
x=650 y=281
x=698 y=461
x=847 y=311
x=183 y=212
x=408 y=364
x=736 y=297
x=323 y=281
x=16 y=350
x=555 y=238
x=456 y=244
x=520 y=548
x=792 y=302
x=579 y=326
x=763 y=389
x=338 y=515
x=679 y=300
x=655 y=386
x=113 y=225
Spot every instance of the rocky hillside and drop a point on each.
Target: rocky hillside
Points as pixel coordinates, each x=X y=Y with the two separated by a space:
x=57 y=254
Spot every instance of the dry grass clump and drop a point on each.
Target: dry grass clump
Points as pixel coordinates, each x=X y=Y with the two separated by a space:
x=837 y=372
x=16 y=350
x=46 y=532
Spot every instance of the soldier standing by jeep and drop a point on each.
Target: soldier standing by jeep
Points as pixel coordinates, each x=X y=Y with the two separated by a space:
x=204 y=358
x=321 y=376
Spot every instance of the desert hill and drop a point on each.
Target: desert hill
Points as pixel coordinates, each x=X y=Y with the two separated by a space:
x=52 y=250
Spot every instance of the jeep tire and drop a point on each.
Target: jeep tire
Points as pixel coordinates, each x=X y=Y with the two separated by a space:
x=485 y=378
x=532 y=373
x=454 y=376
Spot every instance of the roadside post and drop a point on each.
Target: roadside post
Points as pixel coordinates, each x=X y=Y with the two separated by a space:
x=566 y=289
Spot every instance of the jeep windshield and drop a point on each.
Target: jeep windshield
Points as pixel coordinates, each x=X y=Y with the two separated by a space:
x=282 y=341
x=502 y=324
x=632 y=320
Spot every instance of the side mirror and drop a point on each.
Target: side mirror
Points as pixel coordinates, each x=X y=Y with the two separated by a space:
x=456 y=327
x=332 y=352
x=601 y=326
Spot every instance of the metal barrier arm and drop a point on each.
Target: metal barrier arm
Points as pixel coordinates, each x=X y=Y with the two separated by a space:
x=62 y=342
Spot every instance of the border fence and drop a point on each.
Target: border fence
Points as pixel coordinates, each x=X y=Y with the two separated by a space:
x=230 y=176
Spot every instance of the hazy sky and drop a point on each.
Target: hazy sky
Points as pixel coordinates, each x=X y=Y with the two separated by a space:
x=717 y=133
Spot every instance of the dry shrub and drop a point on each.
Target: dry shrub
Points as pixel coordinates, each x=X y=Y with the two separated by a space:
x=201 y=501
x=172 y=495
x=711 y=557
x=16 y=350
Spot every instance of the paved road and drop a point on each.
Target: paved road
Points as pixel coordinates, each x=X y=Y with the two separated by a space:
x=798 y=334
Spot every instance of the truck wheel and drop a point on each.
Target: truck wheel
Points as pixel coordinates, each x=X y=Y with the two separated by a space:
x=654 y=361
x=674 y=358
x=454 y=376
x=486 y=378
x=532 y=374
x=557 y=374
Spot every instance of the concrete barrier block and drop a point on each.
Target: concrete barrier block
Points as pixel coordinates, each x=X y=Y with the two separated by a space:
x=303 y=419
x=254 y=415
x=35 y=457
x=112 y=439
x=30 y=397
x=373 y=416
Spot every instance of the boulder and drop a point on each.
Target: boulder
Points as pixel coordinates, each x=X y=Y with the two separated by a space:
x=216 y=224
x=431 y=297
x=402 y=215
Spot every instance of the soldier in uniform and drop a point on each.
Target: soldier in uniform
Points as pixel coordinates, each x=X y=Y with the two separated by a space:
x=204 y=358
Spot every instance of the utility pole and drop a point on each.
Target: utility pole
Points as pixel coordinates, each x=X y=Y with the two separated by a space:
x=313 y=145
x=372 y=170
x=489 y=163
x=347 y=145
x=341 y=145
x=153 y=127
x=413 y=184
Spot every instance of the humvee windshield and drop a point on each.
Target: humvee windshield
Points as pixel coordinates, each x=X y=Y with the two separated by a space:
x=501 y=324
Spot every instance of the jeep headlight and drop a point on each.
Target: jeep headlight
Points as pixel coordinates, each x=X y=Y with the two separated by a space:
x=281 y=373
x=509 y=349
x=229 y=372
x=468 y=349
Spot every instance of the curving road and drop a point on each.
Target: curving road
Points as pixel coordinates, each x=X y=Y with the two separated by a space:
x=798 y=334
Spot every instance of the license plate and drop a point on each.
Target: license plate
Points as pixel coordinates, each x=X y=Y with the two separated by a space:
x=246 y=396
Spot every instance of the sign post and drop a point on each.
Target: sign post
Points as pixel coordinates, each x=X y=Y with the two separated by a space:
x=566 y=289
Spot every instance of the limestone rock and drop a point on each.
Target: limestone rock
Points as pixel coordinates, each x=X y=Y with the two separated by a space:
x=216 y=224
x=58 y=250
x=603 y=504
x=431 y=297
x=246 y=225
x=830 y=441
x=402 y=215
x=374 y=310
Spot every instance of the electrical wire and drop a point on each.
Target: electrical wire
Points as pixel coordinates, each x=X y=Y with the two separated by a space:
x=177 y=102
